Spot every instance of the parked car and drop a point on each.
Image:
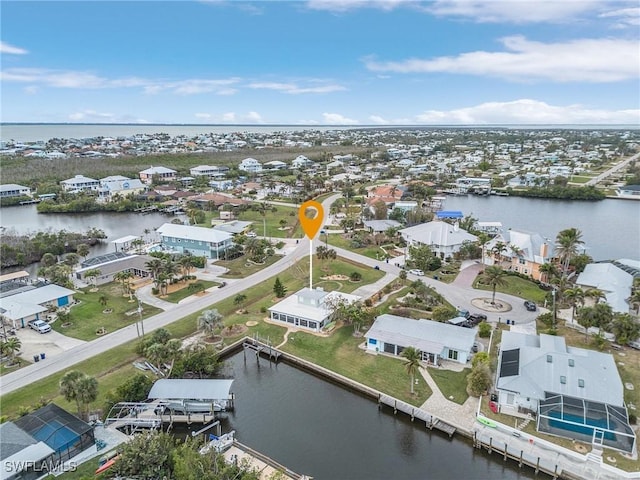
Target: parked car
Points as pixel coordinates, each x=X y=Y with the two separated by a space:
x=417 y=272
x=476 y=318
x=252 y=234
x=529 y=305
x=40 y=326
x=635 y=344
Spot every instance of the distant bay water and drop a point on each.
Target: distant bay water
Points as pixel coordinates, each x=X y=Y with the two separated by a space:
x=33 y=132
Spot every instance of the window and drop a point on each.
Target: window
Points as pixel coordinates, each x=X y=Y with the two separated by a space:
x=453 y=355
x=581 y=383
x=571 y=362
x=563 y=379
x=549 y=359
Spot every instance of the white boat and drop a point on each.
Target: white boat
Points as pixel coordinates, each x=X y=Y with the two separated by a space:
x=219 y=444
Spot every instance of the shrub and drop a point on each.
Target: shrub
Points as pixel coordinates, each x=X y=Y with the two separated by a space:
x=442 y=313
x=484 y=330
x=263 y=309
x=479 y=380
x=355 y=277
x=368 y=302
x=155 y=291
x=480 y=357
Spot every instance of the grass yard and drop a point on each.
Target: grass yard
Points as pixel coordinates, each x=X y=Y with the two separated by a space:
x=451 y=384
x=87 y=317
x=272 y=220
x=579 y=179
x=241 y=268
x=23 y=363
x=338 y=240
x=525 y=289
x=340 y=353
x=187 y=290
x=448 y=272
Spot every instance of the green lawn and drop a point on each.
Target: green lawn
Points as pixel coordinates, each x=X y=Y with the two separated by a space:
x=241 y=268
x=447 y=273
x=338 y=240
x=451 y=384
x=340 y=353
x=525 y=289
x=89 y=316
x=188 y=290
x=271 y=219
x=579 y=179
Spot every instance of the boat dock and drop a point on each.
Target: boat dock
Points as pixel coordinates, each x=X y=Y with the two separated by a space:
x=266 y=467
x=260 y=348
x=430 y=421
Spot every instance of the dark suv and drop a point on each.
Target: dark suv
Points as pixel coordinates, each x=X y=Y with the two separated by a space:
x=529 y=305
x=476 y=318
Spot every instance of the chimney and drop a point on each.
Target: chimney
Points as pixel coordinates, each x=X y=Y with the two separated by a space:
x=544 y=250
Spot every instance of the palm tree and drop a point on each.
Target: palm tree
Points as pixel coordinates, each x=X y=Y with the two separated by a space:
x=83 y=250
x=93 y=275
x=78 y=387
x=498 y=249
x=548 y=271
x=596 y=294
x=493 y=275
x=48 y=260
x=155 y=266
x=412 y=363
x=11 y=347
x=186 y=262
x=634 y=300
x=239 y=299
x=625 y=328
x=575 y=296
x=568 y=242
x=124 y=277
x=71 y=260
x=170 y=269
x=210 y=321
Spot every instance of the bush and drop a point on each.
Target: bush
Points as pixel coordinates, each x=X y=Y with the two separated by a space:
x=263 y=309
x=480 y=357
x=355 y=276
x=479 y=380
x=155 y=291
x=442 y=313
x=484 y=330
x=368 y=302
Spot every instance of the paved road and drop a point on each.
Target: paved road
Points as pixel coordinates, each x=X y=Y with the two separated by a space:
x=612 y=170
x=458 y=296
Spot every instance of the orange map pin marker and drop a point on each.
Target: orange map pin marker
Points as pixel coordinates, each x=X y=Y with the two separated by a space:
x=311 y=226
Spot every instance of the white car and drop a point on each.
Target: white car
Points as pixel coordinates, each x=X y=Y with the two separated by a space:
x=415 y=271
x=40 y=326
x=251 y=234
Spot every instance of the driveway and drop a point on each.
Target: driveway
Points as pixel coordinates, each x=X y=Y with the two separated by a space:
x=51 y=344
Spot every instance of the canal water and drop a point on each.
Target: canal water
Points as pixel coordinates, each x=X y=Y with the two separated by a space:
x=610 y=228
x=317 y=428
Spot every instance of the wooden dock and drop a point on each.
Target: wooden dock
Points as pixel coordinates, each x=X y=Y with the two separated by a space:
x=414 y=412
x=266 y=467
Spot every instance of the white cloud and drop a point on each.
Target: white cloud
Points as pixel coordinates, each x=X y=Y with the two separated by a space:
x=11 y=50
x=337 y=119
x=624 y=17
x=203 y=115
x=514 y=11
x=339 y=6
x=229 y=117
x=379 y=120
x=582 y=60
x=91 y=116
x=527 y=111
x=254 y=117
x=293 y=89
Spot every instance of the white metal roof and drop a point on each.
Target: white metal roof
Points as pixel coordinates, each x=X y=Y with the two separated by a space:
x=425 y=335
x=191 y=389
x=193 y=233
x=612 y=280
x=32 y=453
x=41 y=295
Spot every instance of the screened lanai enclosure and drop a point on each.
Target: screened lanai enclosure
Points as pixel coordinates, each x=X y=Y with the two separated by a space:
x=592 y=422
x=65 y=433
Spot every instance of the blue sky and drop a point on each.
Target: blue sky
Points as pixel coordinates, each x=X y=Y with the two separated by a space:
x=338 y=62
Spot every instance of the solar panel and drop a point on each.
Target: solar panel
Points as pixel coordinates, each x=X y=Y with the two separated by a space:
x=108 y=257
x=510 y=363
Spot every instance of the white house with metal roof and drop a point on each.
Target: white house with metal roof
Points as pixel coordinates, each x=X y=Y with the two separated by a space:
x=198 y=241
x=434 y=340
x=573 y=392
x=24 y=306
x=308 y=309
x=612 y=280
x=163 y=173
x=14 y=190
x=250 y=165
x=80 y=183
x=443 y=238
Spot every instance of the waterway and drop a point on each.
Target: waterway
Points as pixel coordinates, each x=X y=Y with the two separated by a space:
x=317 y=428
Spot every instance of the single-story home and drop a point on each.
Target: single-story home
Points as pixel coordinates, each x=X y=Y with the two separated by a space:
x=381 y=226
x=29 y=304
x=233 y=227
x=197 y=241
x=434 y=340
x=572 y=392
x=111 y=264
x=615 y=283
x=308 y=309
x=14 y=190
x=162 y=173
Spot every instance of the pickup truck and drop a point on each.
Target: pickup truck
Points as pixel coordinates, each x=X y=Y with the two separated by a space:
x=40 y=326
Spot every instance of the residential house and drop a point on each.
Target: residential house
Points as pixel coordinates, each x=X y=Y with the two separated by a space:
x=28 y=303
x=197 y=241
x=443 y=238
x=572 y=392
x=301 y=162
x=111 y=264
x=80 y=183
x=119 y=185
x=308 y=309
x=217 y=200
x=234 y=227
x=163 y=174
x=380 y=226
x=434 y=340
x=250 y=165
x=14 y=190
x=615 y=283
x=525 y=252
x=275 y=165
x=21 y=453
x=629 y=191
x=208 y=171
